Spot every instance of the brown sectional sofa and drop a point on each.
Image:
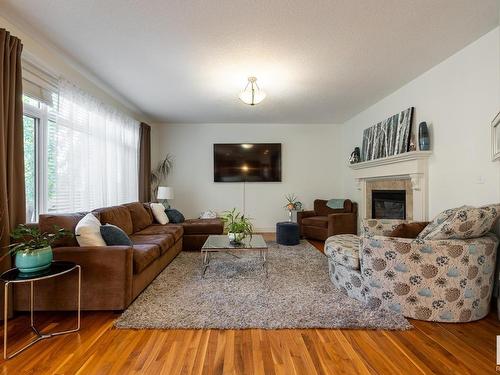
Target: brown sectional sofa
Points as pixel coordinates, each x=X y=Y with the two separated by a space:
x=113 y=276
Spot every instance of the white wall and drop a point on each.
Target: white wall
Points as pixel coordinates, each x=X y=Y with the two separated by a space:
x=310 y=167
x=458 y=99
x=47 y=56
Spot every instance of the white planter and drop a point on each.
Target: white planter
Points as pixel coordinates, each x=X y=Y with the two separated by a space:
x=235 y=237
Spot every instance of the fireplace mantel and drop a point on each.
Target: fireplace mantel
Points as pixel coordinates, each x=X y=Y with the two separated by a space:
x=412 y=156
x=407 y=166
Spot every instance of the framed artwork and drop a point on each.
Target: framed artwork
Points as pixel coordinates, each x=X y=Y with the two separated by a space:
x=495 y=138
x=389 y=137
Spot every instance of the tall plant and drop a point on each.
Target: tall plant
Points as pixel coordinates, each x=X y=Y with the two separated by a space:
x=160 y=173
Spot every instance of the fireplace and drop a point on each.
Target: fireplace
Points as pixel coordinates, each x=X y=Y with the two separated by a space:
x=389 y=204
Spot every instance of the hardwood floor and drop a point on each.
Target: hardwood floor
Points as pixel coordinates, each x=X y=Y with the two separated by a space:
x=430 y=348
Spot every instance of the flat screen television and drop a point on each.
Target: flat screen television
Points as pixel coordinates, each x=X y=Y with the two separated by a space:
x=247 y=162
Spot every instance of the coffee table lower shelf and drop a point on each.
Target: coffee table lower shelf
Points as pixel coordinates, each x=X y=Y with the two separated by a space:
x=221 y=244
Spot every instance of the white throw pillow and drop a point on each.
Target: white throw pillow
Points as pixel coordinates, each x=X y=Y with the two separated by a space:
x=88 y=231
x=159 y=213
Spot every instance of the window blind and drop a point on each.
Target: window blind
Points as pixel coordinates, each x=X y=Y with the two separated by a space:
x=92 y=154
x=38 y=84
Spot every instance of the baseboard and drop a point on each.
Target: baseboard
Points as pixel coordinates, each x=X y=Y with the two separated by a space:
x=265 y=230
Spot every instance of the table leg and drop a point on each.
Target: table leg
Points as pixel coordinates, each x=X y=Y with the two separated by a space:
x=206 y=261
x=40 y=335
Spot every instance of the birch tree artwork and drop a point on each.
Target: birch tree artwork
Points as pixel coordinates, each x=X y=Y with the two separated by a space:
x=387 y=138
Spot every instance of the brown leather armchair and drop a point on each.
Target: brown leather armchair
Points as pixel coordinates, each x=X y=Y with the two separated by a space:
x=324 y=221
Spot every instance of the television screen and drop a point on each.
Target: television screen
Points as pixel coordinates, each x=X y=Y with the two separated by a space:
x=249 y=162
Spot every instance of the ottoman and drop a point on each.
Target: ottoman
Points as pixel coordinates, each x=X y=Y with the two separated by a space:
x=196 y=232
x=287 y=233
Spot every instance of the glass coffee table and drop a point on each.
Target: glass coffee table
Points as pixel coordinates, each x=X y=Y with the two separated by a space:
x=221 y=243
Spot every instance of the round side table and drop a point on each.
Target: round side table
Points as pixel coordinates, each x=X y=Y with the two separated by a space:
x=287 y=233
x=14 y=276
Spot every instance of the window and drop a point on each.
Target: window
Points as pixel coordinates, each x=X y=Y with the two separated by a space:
x=37 y=116
x=30 y=160
x=79 y=153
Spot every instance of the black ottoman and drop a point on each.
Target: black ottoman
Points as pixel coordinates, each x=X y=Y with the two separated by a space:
x=287 y=233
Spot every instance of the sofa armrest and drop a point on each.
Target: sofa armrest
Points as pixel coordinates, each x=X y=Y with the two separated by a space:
x=106 y=280
x=342 y=223
x=303 y=214
x=379 y=227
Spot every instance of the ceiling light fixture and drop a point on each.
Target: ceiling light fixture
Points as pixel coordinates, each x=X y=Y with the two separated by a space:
x=252 y=94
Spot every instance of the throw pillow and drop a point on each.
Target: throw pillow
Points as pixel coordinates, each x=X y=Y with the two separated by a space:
x=467 y=222
x=88 y=231
x=174 y=216
x=159 y=214
x=437 y=221
x=114 y=236
x=408 y=230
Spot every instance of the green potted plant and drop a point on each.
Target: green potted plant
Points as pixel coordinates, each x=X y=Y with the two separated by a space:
x=32 y=248
x=237 y=226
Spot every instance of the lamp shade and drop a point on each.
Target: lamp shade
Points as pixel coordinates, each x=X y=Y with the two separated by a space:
x=165 y=192
x=252 y=94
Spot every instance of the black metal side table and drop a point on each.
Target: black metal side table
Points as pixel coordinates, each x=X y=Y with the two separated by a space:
x=14 y=276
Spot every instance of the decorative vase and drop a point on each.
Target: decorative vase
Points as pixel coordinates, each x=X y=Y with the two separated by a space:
x=235 y=238
x=34 y=261
x=424 y=141
x=355 y=156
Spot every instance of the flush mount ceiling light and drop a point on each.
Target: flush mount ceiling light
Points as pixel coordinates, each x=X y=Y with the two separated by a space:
x=252 y=94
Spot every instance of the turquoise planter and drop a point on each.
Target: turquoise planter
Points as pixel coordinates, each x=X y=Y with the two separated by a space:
x=34 y=261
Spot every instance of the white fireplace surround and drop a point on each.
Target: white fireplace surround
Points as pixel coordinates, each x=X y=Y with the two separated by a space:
x=410 y=165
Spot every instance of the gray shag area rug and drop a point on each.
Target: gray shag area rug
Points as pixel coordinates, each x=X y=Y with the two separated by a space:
x=235 y=294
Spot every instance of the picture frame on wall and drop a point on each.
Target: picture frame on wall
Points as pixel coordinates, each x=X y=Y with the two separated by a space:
x=389 y=137
x=495 y=138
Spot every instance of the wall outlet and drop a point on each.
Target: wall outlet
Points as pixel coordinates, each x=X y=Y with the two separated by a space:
x=480 y=180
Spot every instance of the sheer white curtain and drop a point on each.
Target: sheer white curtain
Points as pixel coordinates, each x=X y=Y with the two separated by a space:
x=93 y=153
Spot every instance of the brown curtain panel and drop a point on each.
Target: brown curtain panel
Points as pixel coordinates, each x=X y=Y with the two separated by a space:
x=145 y=163
x=12 y=199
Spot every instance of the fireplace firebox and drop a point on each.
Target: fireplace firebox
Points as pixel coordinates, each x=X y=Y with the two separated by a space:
x=389 y=204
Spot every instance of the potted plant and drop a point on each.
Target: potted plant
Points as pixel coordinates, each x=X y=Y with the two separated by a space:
x=237 y=226
x=32 y=249
x=292 y=204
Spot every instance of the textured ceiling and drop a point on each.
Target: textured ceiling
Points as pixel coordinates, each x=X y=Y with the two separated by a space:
x=319 y=61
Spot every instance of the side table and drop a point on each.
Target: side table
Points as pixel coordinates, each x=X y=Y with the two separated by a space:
x=14 y=276
x=287 y=233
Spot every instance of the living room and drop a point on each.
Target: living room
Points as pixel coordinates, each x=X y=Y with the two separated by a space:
x=302 y=188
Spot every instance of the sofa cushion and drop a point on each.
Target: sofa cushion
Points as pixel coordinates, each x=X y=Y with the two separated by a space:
x=174 y=229
x=466 y=222
x=174 y=216
x=159 y=214
x=344 y=249
x=46 y=223
x=203 y=226
x=114 y=236
x=144 y=255
x=437 y=221
x=88 y=231
x=408 y=230
x=316 y=221
x=141 y=218
x=164 y=241
x=116 y=215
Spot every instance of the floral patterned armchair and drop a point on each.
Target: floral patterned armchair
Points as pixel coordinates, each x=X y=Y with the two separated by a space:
x=434 y=280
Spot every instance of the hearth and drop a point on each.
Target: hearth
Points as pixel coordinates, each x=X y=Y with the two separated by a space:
x=389 y=204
